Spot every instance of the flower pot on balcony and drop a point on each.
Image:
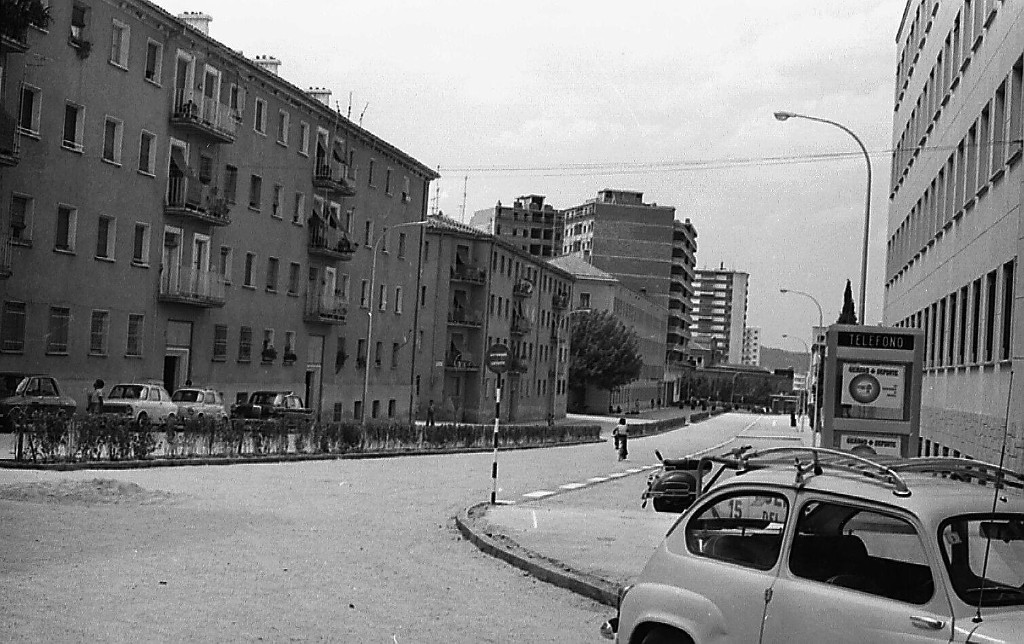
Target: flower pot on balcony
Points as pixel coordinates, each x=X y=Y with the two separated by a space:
x=269 y=354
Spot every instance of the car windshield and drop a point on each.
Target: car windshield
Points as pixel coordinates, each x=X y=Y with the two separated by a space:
x=263 y=398
x=126 y=391
x=984 y=555
x=186 y=395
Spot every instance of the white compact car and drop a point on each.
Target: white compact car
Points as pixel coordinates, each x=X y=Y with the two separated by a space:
x=200 y=402
x=145 y=402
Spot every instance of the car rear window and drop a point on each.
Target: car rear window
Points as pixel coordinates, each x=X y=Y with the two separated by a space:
x=127 y=391
x=744 y=529
x=185 y=396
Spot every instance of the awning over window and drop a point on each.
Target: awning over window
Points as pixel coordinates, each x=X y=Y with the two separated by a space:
x=179 y=164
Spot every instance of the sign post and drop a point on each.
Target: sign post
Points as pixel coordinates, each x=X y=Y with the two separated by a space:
x=872 y=392
x=497 y=362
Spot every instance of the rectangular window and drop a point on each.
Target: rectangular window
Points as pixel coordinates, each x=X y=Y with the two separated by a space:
x=387 y=181
x=990 y=315
x=255 y=191
x=282 y=127
x=133 y=347
x=963 y=337
x=272 y=268
x=230 y=184
x=98 y=326
x=401 y=245
x=226 y=262
x=147 y=153
x=236 y=99
x=343 y=287
x=382 y=297
x=361 y=353
x=398 y=300
x=105 y=232
x=395 y=347
x=275 y=203
x=12 y=327
x=294 y=271
x=289 y=344
x=250 y=264
x=154 y=61
x=64 y=235
x=28 y=116
x=378 y=353
x=367 y=233
x=1015 y=112
x=220 y=342
x=300 y=207
x=119 y=39
x=74 y=123
x=304 y=138
x=113 y=131
x=1006 y=337
x=952 y=299
x=205 y=169
x=364 y=294
x=245 y=344
x=369 y=174
x=259 y=123
x=57 y=332
x=140 y=244
x=21 y=219
x=406 y=194
x=78 y=20
x=975 y=319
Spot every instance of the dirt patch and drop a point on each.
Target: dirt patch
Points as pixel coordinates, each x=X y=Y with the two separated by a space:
x=90 y=492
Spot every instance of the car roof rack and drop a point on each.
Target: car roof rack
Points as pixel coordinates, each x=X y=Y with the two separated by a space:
x=887 y=470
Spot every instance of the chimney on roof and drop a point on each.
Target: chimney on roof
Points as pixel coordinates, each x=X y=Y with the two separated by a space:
x=268 y=63
x=197 y=20
x=321 y=94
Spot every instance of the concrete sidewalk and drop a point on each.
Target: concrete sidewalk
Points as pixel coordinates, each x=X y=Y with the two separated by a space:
x=590 y=540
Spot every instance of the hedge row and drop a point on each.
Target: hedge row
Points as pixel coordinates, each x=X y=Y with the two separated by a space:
x=55 y=438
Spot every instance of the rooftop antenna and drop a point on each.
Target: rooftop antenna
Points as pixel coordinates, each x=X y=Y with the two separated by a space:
x=437 y=193
x=465 y=184
x=362 y=113
x=348 y=115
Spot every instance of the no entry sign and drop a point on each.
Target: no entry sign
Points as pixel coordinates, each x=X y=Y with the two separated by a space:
x=497 y=358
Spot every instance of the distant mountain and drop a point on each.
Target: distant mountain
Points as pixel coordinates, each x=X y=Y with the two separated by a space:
x=773 y=359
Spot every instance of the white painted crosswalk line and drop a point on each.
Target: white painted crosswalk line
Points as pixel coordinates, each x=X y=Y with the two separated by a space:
x=572 y=486
x=634 y=470
x=598 y=479
x=617 y=475
x=539 y=494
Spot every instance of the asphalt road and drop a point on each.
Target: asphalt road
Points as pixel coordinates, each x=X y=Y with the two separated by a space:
x=348 y=551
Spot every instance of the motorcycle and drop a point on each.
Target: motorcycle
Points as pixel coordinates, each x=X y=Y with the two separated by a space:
x=679 y=482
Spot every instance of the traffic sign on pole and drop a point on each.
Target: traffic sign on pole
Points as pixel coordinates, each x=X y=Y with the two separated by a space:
x=498 y=358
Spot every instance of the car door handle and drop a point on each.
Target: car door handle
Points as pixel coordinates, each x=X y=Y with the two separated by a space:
x=929 y=623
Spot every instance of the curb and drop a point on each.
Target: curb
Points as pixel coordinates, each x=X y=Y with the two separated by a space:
x=66 y=466
x=547 y=570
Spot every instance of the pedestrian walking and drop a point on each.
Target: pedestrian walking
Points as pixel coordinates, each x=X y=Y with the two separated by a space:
x=430 y=414
x=95 y=402
x=622 y=436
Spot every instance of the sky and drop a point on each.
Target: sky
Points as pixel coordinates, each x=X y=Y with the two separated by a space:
x=671 y=98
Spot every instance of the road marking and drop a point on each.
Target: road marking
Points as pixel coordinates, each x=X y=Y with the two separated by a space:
x=598 y=479
x=572 y=486
x=634 y=470
x=539 y=494
x=617 y=475
x=534 y=519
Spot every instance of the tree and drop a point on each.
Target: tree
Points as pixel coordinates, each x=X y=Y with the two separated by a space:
x=849 y=314
x=602 y=352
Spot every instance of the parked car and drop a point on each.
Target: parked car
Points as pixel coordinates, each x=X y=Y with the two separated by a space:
x=145 y=402
x=272 y=404
x=814 y=545
x=31 y=394
x=200 y=402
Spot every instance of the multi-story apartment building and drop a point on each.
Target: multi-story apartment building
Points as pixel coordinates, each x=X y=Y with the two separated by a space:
x=680 y=302
x=180 y=212
x=955 y=217
x=529 y=223
x=479 y=290
x=720 y=310
x=600 y=291
x=751 y=346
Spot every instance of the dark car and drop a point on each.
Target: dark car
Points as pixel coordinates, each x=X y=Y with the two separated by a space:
x=36 y=393
x=272 y=404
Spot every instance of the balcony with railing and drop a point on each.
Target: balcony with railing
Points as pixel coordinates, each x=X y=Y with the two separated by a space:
x=330 y=243
x=455 y=362
x=560 y=301
x=204 y=115
x=10 y=142
x=6 y=252
x=522 y=288
x=192 y=286
x=520 y=326
x=468 y=273
x=187 y=197
x=467 y=319
x=324 y=308
x=332 y=177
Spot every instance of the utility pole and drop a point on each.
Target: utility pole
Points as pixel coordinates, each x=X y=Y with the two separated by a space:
x=465 y=185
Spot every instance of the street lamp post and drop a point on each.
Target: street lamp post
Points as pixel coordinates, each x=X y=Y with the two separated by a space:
x=814 y=340
x=783 y=116
x=369 y=317
x=807 y=382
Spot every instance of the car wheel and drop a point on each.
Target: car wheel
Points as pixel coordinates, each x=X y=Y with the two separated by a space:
x=665 y=635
